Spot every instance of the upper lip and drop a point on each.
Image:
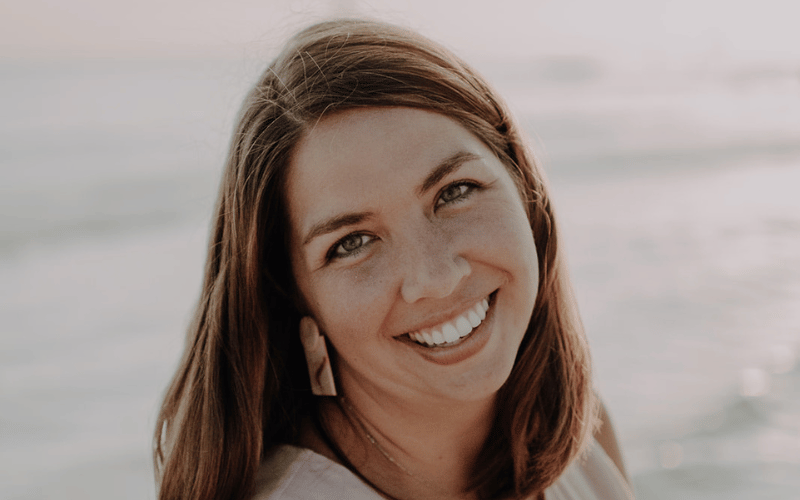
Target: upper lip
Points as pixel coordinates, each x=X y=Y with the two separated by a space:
x=451 y=314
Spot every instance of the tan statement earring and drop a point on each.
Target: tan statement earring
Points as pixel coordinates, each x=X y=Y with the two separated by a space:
x=317 y=359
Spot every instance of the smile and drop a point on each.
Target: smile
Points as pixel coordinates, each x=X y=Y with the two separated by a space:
x=451 y=332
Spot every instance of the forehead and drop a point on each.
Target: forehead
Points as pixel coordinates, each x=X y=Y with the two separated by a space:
x=355 y=159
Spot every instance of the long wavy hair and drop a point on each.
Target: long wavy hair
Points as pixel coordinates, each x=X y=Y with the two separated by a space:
x=242 y=385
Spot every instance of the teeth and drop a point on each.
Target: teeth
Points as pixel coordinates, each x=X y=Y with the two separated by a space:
x=480 y=311
x=449 y=332
x=463 y=326
x=474 y=319
x=453 y=330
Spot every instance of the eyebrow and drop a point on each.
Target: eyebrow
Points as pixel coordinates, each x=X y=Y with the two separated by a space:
x=334 y=223
x=449 y=164
x=446 y=166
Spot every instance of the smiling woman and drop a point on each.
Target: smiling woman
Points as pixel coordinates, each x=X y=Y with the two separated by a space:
x=385 y=312
x=434 y=226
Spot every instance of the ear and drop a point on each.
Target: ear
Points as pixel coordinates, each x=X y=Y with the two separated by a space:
x=317 y=359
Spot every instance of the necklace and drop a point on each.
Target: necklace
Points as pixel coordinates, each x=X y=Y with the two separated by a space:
x=354 y=413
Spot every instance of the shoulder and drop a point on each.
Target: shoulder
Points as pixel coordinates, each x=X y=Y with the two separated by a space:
x=592 y=476
x=292 y=473
x=607 y=439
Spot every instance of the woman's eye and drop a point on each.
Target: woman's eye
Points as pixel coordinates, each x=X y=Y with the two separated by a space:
x=454 y=192
x=349 y=245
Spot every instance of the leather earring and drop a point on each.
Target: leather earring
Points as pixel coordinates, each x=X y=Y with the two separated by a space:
x=317 y=359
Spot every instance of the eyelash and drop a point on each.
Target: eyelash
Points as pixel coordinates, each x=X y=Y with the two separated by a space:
x=332 y=252
x=471 y=188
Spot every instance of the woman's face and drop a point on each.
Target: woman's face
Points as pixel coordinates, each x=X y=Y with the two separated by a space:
x=412 y=251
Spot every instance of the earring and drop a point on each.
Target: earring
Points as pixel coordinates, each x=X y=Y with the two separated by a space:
x=319 y=364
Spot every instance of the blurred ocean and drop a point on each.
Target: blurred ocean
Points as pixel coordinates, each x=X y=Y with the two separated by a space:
x=677 y=195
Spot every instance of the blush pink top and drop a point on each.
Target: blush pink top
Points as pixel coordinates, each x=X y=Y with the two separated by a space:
x=292 y=473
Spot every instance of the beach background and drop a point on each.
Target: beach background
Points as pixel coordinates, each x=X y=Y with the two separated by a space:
x=670 y=132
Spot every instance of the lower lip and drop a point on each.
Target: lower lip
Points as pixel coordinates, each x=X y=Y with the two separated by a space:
x=468 y=347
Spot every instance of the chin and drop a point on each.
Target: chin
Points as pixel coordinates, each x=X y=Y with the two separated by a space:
x=483 y=381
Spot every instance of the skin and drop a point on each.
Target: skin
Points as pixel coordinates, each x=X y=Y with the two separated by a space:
x=414 y=258
x=377 y=252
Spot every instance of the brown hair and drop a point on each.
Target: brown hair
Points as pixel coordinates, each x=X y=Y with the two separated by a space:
x=242 y=385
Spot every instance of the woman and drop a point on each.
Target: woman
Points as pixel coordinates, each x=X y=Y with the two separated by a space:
x=385 y=312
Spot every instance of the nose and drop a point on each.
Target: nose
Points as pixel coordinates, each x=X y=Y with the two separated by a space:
x=432 y=268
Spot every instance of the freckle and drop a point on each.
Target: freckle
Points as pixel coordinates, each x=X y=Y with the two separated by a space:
x=361 y=274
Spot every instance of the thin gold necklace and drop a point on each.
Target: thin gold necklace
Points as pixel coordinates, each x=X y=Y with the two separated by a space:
x=357 y=417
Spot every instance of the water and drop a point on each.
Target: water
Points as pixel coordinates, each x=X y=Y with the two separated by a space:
x=677 y=200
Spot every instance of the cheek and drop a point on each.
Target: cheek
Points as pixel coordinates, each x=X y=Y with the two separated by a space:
x=501 y=235
x=349 y=303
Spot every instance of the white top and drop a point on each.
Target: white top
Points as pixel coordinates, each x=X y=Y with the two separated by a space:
x=292 y=473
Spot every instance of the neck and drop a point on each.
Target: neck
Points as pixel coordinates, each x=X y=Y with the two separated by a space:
x=411 y=448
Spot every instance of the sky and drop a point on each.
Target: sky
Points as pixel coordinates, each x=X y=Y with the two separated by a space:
x=632 y=32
